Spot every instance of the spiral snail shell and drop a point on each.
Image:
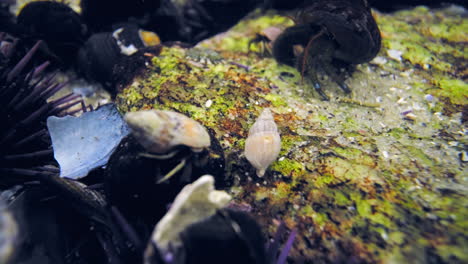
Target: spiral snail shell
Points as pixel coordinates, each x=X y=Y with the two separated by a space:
x=263 y=143
x=158 y=131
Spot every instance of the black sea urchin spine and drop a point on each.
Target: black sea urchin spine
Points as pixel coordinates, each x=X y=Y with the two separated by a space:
x=24 y=140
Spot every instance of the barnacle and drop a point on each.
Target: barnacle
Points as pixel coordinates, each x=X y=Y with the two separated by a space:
x=263 y=143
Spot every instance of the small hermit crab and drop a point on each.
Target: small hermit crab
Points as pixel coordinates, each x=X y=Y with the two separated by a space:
x=330 y=32
x=165 y=151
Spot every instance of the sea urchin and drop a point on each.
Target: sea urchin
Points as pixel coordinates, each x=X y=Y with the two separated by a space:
x=24 y=93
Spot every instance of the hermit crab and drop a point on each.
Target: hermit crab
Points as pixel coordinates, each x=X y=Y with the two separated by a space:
x=164 y=151
x=337 y=32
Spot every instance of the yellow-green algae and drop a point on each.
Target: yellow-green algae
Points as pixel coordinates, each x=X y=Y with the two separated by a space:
x=434 y=40
x=358 y=178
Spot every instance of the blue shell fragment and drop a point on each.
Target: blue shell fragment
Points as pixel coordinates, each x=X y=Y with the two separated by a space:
x=84 y=143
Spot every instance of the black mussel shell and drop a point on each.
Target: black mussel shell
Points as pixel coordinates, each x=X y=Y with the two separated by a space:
x=7 y=20
x=131 y=180
x=101 y=15
x=50 y=230
x=213 y=163
x=229 y=236
x=129 y=67
x=193 y=21
x=57 y=24
x=96 y=59
x=282 y=4
x=391 y=6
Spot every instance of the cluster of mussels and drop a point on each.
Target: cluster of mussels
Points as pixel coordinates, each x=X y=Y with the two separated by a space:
x=66 y=212
x=156 y=177
x=100 y=44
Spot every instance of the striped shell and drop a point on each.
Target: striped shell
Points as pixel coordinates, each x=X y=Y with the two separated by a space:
x=159 y=131
x=263 y=143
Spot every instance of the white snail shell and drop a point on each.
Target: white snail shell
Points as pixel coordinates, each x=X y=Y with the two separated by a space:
x=158 y=131
x=263 y=143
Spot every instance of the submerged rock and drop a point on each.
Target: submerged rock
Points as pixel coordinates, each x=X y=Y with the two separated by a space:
x=374 y=176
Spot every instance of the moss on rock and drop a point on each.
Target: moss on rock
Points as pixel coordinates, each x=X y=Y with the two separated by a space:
x=376 y=176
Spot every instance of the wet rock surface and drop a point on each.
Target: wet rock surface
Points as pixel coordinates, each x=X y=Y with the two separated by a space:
x=375 y=176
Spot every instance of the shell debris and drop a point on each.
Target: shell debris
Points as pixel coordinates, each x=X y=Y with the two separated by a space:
x=263 y=143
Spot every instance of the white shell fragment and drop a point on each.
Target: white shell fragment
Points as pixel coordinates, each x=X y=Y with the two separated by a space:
x=194 y=203
x=158 y=131
x=84 y=143
x=9 y=231
x=263 y=143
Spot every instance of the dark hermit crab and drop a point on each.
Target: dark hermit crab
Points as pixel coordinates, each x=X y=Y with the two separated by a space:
x=330 y=32
x=165 y=151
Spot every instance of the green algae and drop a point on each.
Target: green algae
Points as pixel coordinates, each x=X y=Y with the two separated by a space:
x=437 y=46
x=275 y=100
x=356 y=155
x=288 y=167
x=455 y=89
x=353 y=170
x=246 y=30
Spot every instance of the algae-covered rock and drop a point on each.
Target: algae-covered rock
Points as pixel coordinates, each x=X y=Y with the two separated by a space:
x=376 y=176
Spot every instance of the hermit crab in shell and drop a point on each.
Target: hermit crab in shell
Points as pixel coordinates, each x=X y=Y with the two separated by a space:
x=330 y=33
x=164 y=151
